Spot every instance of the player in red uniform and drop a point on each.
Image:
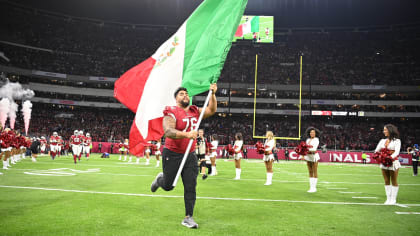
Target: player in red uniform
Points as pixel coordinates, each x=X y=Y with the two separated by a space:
x=43 y=142
x=54 y=139
x=82 y=146
x=179 y=125
x=60 y=145
x=87 y=141
x=75 y=142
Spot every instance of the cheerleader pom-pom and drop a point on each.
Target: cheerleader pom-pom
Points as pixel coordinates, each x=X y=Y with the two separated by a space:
x=384 y=157
x=303 y=149
x=260 y=147
x=230 y=149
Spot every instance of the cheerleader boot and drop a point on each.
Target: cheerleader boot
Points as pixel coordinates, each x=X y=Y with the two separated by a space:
x=119 y=158
x=388 y=191
x=269 y=178
x=138 y=160
x=125 y=158
x=130 y=159
x=394 y=194
x=312 y=185
x=147 y=162
x=238 y=174
x=5 y=165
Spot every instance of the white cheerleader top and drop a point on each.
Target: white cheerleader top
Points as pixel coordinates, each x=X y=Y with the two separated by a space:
x=394 y=144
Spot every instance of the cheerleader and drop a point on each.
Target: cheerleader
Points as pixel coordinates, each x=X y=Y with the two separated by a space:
x=213 y=154
x=121 y=149
x=269 y=145
x=390 y=174
x=147 y=151
x=238 y=154
x=313 y=157
x=157 y=152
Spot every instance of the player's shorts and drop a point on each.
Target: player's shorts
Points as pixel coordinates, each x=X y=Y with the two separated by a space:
x=269 y=157
x=158 y=153
x=395 y=166
x=34 y=150
x=237 y=156
x=213 y=154
x=77 y=149
x=312 y=157
x=147 y=151
x=86 y=149
x=53 y=148
x=59 y=148
x=43 y=147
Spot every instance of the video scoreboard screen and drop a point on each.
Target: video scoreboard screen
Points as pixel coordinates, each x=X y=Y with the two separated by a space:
x=260 y=29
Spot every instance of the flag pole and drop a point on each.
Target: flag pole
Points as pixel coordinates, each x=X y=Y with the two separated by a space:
x=181 y=167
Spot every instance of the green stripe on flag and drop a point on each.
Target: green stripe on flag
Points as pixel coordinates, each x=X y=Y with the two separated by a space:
x=209 y=34
x=255 y=24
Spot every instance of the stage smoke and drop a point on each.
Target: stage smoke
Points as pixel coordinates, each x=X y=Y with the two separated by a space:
x=26 y=111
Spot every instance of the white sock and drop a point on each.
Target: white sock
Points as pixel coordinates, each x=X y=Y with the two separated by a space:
x=238 y=173
x=130 y=159
x=138 y=160
x=388 y=191
x=315 y=182
x=157 y=163
x=213 y=170
x=147 y=161
x=125 y=158
x=394 y=194
x=120 y=158
x=8 y=162
x=4 y=164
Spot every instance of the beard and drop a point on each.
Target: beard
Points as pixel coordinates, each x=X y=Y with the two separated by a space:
x=185 y=104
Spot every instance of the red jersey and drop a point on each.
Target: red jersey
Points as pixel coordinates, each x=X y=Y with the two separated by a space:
x=185 y=121
x=76 y=140
x=87 y=141
x=54 y=140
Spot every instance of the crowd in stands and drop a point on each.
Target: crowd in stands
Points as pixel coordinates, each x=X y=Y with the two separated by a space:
x=82 y=47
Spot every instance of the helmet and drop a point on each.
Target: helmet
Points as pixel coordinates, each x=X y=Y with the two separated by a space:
x=42 y=137
x=81 y=132
x=76 y=132
x=87 y=135
x=55 y=134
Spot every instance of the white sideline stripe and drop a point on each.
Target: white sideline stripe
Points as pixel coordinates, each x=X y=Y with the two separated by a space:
x=349 y=192
x=207 y=198
x=407 y=213
x=365 y=197
x=336 y=188
x=95 y=173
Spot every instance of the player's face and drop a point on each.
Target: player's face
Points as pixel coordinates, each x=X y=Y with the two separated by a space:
x=312 y=133
x=183 y=99
x=386 y=132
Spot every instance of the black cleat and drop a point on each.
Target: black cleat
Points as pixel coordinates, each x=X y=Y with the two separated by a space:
x=155 y=184
x=205 y=176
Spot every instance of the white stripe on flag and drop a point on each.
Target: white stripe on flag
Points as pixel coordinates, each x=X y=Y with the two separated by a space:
x=162 y=82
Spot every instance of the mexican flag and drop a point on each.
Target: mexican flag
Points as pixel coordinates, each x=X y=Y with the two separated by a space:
x=250 y=26
x=193 y=58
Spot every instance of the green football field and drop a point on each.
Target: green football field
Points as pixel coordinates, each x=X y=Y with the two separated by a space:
x=111 y=197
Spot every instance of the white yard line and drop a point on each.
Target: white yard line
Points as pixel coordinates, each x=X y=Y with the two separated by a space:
x=407 y=213
x=365 y=197
x=348 y=192
x=206 y=198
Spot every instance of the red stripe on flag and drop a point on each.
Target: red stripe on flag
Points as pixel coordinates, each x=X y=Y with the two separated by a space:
x=239 y=31
x=128 y=89
x=137 y=141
